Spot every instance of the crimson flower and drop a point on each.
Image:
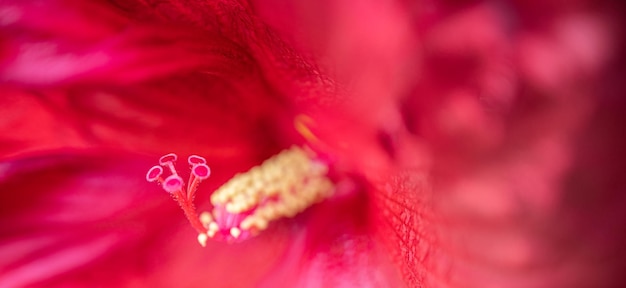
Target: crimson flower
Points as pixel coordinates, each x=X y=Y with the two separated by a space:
x=391 y=144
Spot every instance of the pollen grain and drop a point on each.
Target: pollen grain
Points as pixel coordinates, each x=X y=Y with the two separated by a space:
x=281 y=187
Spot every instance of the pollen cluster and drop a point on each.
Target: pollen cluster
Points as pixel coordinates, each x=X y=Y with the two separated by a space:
x=282 y=186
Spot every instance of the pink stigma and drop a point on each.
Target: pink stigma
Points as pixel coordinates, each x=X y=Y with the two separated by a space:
x=201 y=171
x=169 y=158
x=173 y=184
x=195 y=160
x=154 y=174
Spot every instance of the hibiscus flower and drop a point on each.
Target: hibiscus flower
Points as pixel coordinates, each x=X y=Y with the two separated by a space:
x=446 y=144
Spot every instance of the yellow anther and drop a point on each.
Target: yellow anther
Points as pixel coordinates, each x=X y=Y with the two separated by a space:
x=205 y=218
x=202 y=238
x=302 y=123
x=235 y=232
x=261 y=224
x=282 y=186
x=265 y=212
x=230 y=207
x=247 y=223
x=253 y=221
x=212 y=229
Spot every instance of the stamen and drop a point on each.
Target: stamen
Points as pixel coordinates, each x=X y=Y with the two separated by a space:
x=282 y=186
x=202 y=238
x=213 y=228
x=206 y=217
x=235 y=232
x=302 y=123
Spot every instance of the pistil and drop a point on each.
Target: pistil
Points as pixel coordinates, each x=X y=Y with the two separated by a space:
x=175 y=186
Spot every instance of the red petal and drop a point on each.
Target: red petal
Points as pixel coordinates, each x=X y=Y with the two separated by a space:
x=77 y=219
x=60 y=214
x=213 y=81
x=506 y=155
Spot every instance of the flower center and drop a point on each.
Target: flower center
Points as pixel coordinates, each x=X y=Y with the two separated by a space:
x=281 y=187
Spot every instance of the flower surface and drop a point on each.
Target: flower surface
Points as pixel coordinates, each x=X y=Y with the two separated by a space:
x=469 y=143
